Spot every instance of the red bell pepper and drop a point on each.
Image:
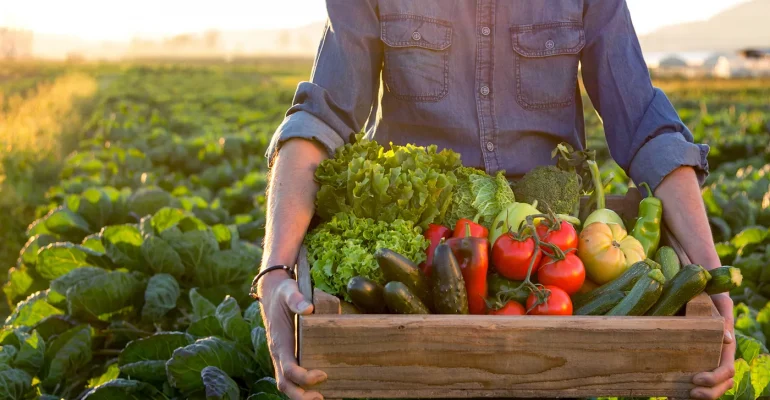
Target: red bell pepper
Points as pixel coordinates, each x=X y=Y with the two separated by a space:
x=472 y=254
x=476 y=230
x=434 y=234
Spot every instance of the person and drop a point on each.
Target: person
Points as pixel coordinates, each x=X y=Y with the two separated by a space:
x=496 y=81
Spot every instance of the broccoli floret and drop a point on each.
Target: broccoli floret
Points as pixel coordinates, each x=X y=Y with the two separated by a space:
x=551 y=186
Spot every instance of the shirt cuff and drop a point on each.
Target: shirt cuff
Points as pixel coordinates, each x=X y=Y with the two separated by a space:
x=665 y=153
x=304 y=125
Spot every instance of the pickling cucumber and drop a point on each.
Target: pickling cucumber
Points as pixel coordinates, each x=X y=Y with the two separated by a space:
x=687 y=284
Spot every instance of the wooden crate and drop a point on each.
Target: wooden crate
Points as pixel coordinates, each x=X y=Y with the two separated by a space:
x=452 y=356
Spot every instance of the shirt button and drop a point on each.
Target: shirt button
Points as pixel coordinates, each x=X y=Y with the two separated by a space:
x=549 y=44
x=490 y=146
x=484 y=90
x=485 y=31
x=416 y=36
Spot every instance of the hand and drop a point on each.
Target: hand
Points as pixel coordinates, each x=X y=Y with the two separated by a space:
x=712 y=385
x=281 y=299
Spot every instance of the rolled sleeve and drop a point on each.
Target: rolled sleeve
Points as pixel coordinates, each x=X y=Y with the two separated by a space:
x=665 y=153
x=644 y=133
x=303 y=125
x=338 y=99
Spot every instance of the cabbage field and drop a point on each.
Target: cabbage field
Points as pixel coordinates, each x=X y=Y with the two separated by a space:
x=131 y=233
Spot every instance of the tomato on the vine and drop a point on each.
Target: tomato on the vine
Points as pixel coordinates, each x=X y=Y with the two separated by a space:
x=512 y=255
x=565 y=237
x=558 y=303
x=568 y=274
x=510 y=308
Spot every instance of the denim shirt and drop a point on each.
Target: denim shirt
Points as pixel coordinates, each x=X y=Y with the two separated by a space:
x=494 y=80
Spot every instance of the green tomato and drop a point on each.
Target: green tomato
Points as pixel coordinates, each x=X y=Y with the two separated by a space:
x=510 y=219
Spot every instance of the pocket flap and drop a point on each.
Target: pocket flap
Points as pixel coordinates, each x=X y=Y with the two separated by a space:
x=406 y=30
x=548 y=39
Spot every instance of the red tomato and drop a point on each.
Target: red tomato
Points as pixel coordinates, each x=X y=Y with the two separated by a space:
x=511 y=257
x=510 y=308
x=558 y=303
x=568 y=274
x=565 y=237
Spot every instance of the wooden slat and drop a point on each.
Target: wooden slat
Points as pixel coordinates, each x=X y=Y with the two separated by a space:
x=701 y=306
x=303 y=275
x=325 y=303
x=386 y=356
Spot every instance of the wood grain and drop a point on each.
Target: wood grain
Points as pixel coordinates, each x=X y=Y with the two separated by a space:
x=701 y=306
x=325 y=303
x=492 y=356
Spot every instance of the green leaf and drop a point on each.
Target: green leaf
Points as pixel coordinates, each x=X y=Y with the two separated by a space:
x=148 y=201
x=31 y=355
x=267 y=385
x=72 y=278
x=162 y=257
x=145 y=359
x=94 y=242
x=185 y=366
x=65 y=355
x=14 y=383
x=160 y=297
x=124 y=246
x=30 y=311
x=21 y=284
x=223 y=267
x=253 y=315
x=37 y=227
x=235 y=327
x=33 y=245
x=749 y=236
x=218 y=385
x=261 y=351
x=265 y=396
x=763 y=320
x=193 y=247
x=7 y=354
x=201 y=307
x=104 y=294
x=58 y=259
x=123 y=389
x=54 y=325
x=166 y=218
x=747 y=347
x=93 y=204
x=67 y=224
x=145 y=227
x=226 y=235
x=206 y=326
x=111 y=373
x=760 y=376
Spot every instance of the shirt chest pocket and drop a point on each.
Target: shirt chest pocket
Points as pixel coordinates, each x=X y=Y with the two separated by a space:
x=546 y=63
x=416 y=65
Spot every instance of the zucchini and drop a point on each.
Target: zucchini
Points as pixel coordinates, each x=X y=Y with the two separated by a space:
x=669 y=261
x=601 y=304
x=624 y=282
x=687 y=284
x=366 y=294
x=396 y=267
x=724 y=279
x=400 y=299
x=646 y=291
x=449 y=294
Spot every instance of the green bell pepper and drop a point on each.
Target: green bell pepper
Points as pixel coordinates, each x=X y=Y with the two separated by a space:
x=647 y=227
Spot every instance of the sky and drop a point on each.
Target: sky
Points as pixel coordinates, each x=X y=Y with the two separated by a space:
x=120 y=21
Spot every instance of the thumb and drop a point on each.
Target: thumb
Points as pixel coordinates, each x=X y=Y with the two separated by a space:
x=297 y=303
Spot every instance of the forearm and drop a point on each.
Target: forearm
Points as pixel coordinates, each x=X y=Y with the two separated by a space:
x=290 y=200
x=684 y=214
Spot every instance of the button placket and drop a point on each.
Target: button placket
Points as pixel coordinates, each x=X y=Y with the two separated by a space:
x=485 y=17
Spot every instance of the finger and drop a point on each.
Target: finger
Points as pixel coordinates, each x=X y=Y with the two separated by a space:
x=302 y=377
x=296 y=301
x=288 y=388
x=716 y=377
x=713 y=393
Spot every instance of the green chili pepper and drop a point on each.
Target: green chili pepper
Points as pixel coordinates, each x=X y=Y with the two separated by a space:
x=647 y=227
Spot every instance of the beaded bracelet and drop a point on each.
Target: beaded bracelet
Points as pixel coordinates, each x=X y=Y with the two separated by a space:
x=253 y=291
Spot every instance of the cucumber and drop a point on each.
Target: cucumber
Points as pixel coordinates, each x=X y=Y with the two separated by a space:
x=400 y=299
x=601 y=304
x=624 y=282
x=449 y=295
x=669 y=262
x=366 y=294
x=724 y=279
x=396 y=267
x=646 y=291
x=687 y=284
